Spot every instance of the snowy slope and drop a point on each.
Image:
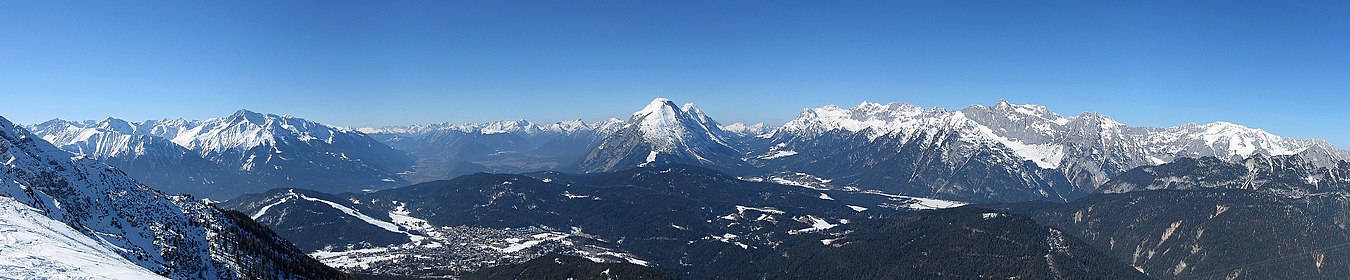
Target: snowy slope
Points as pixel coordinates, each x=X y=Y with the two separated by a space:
x=173 y=236
x=33 y=246
x=666 y=127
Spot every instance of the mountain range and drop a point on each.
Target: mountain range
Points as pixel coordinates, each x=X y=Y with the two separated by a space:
x=221 y=158
x=1004 y=191
x=1001 y=153
x=63 y=215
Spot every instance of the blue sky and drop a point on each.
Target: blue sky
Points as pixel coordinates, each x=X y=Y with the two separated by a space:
x=1283 y=66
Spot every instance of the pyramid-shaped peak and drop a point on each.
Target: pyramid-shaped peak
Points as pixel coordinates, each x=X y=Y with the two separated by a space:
x=663 y=133
x=662 y=113
x=658 y=105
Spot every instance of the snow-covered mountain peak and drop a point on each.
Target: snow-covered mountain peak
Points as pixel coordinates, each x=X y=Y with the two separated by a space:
x=712 y=126
x=697 y=114
x=747 y=130
x=879 y=119
x=1029 y=109
x=873 y=108
x=520 y=127
x=663 y=125
x=102 y=139
x=1245 y=141
x=245 y=145
x=691 y=109
x=868 y=105
x=1228 y=129
x=249 y=116
x=1097 y=117
x=1018 y=113
x=500 y=127
x=566 y=127
x=246 y=129
x=118 y=125
x=608 y=126
x=52 y=122
x=661 y=107
x=664 y=133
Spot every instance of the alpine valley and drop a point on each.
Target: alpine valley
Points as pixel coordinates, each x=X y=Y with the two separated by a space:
x=876 y=191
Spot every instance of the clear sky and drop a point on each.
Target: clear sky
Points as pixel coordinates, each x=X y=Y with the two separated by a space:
x=1283 y=66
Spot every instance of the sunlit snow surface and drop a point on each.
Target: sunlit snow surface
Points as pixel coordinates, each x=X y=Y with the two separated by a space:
x=920 y=203
x=779 y=154
x=345 y=210
x=815 y=183
x=33 y=246
x=816 y=224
